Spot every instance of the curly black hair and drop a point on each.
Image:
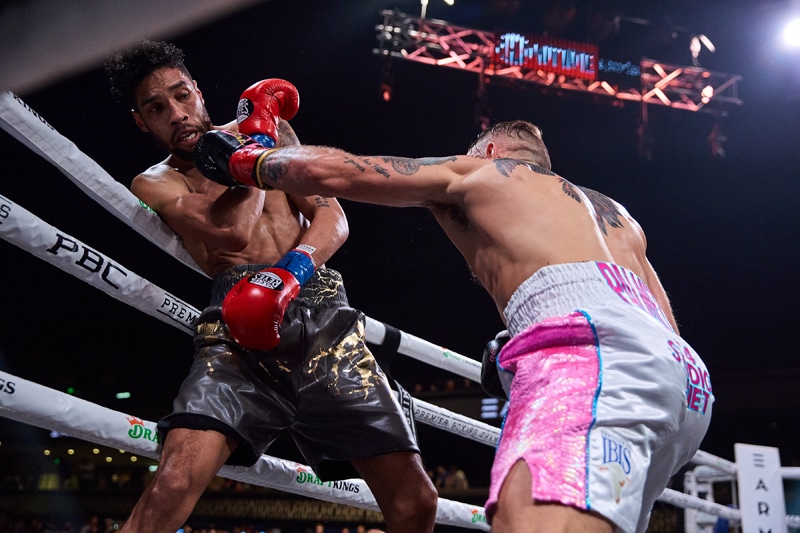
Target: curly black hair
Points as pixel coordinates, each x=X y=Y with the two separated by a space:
x=125 y=70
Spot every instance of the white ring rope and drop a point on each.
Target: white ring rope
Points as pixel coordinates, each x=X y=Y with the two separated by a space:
x=40 y=406
x=26 y=231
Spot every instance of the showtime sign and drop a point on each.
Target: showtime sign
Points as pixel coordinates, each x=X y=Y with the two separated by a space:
x=559 y=56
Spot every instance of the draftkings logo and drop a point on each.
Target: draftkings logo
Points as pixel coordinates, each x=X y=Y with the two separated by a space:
x=304 y=476
x=617 y=462
x=139 y=431
x=478 y=517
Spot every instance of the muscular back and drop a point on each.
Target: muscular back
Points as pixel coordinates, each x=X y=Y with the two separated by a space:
x=514 y=218
x=628 y=245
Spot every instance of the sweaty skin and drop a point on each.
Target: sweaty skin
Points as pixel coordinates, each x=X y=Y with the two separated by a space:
x=506 y=215
x=222 y=226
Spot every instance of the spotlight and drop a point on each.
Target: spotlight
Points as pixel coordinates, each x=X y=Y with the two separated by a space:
x=791 y=34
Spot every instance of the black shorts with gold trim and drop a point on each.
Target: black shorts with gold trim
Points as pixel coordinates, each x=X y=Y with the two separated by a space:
x=321 y=383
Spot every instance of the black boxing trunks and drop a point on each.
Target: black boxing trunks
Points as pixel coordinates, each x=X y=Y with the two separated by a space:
x=321 y=383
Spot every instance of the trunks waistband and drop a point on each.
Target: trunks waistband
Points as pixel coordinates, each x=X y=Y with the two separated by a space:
x=556 y=290
x=325 y=287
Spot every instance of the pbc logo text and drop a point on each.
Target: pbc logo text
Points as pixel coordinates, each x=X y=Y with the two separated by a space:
x=89 y=259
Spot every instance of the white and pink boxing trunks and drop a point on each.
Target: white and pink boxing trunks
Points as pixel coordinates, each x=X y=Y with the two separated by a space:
x=607 y=401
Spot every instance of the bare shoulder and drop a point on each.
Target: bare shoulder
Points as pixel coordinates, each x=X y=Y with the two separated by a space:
x=609 y=212
x=160 y=173
x=158 y=184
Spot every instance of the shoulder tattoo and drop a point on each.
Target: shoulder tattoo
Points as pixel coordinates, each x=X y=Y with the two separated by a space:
x=569 y=190
x=605 y=208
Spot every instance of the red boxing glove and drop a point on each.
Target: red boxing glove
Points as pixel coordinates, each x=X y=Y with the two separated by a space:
x=262 y=104
x=254 y=307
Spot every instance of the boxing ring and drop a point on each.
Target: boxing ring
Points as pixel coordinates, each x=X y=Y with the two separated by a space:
x=43 y=407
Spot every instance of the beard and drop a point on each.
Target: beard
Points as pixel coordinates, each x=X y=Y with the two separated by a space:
x=171 y=146
x=185 y=155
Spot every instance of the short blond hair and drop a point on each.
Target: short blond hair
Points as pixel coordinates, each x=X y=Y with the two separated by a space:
x=523 y=135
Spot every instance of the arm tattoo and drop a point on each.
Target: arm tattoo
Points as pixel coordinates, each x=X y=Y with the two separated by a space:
x=408 y=167
x=377 y=168
x=401 y=165
x=507 y=166
x=286 y=135
x=275 y=168
x=606 y=209
x=355 y=164
x=321 y=201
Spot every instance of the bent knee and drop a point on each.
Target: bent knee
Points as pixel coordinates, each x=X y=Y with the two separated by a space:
x=170 y=481
x=421 y=502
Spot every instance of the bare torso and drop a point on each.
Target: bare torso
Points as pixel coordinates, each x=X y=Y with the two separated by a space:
x=277 y=228
x=221 y=226
x=248 y=225
x=516 y=218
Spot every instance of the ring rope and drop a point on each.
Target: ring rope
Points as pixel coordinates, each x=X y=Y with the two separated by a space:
x=41 y=406
x=23 y=123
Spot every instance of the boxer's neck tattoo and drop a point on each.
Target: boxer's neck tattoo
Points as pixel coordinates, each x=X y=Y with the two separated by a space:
x=506 y=166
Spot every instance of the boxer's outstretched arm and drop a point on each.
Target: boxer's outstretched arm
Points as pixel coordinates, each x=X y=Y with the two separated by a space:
x=384 y=180
x=236 y=159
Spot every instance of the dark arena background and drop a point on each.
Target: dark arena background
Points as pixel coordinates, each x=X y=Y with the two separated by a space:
x=687 y=112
